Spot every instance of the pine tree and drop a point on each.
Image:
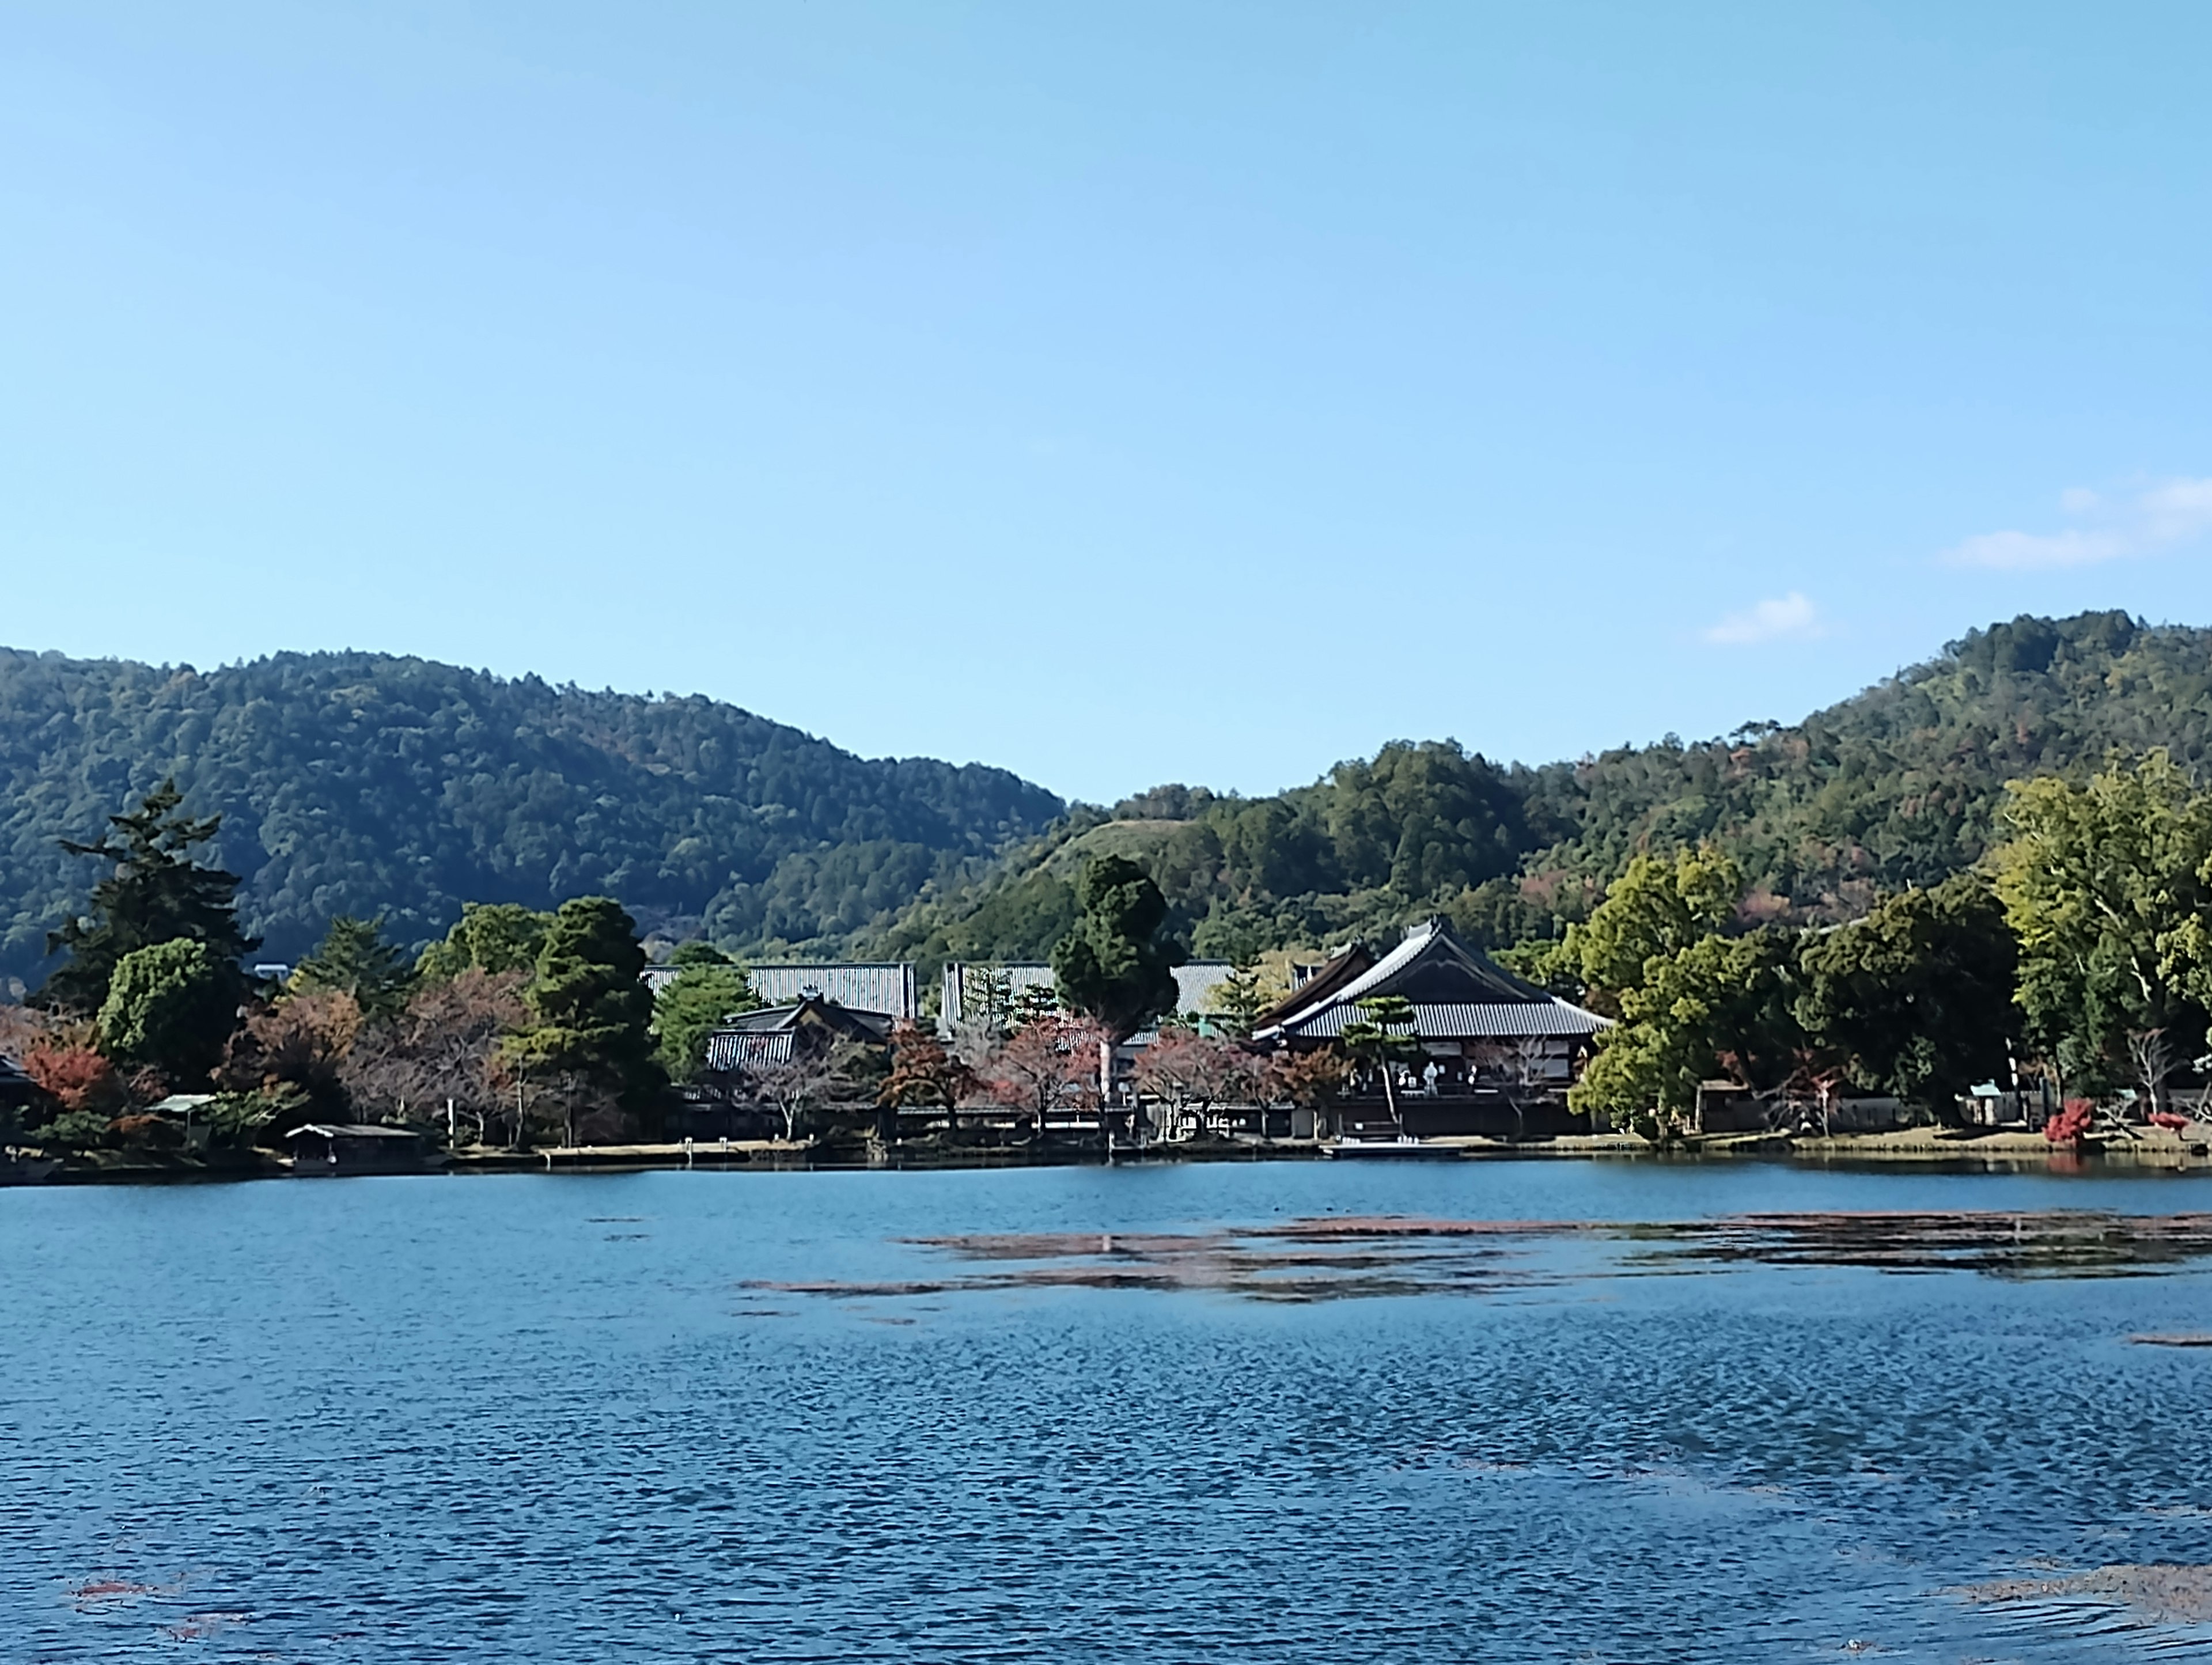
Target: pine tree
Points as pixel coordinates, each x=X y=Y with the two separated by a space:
x=156 y=894
x=591 y=1013
x=355 y=959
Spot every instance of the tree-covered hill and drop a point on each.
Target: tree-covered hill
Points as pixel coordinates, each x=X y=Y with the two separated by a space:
x=1898 y=785
x=365 y=784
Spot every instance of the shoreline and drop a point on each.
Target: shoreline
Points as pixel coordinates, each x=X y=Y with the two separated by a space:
x=2156 y=1149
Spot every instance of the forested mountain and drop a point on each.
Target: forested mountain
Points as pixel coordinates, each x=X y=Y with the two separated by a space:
x=1898 y=785
x=367 y=784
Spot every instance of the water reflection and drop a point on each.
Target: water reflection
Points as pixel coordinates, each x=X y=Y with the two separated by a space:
x=1339 y=1257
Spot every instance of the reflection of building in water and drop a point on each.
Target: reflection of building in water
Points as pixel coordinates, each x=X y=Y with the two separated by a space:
x=1495 y=1053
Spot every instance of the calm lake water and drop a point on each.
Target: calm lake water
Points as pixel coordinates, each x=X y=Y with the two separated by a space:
x=1145 y=1414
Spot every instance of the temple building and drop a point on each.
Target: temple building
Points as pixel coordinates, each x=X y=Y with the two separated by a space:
x=774 y=1035
x=1496 y=1054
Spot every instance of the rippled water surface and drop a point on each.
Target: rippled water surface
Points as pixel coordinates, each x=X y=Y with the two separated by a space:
x=1480 y=1411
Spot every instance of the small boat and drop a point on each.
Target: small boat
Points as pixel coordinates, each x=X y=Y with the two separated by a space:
x=1404 y=1148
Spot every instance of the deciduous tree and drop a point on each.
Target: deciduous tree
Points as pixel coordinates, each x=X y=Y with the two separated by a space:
x=2108 y=887
x=444 y=1048
x=1191 y=1074
x=293 y=1052
x=1656 y=909
x=1047 y=1066
x=923 y=1072
x=1915 y=998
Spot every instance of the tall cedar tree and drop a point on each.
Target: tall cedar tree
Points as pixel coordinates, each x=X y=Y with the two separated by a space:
x=1117 y=965
x=355 y=959
x=156 y=894
x=591 y=1011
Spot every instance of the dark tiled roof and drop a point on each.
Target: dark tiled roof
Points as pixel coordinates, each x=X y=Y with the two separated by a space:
x=736 y=1049
x=1454 y=993
x=1195 y=982
x=862 y=985
x=1501 y=1021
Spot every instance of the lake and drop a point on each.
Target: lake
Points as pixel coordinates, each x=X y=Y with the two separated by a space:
x=1536 y=1410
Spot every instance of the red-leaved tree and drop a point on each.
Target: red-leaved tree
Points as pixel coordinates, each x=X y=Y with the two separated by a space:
x=1049 y=1065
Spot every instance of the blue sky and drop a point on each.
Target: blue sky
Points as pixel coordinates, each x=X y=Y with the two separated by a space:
x=1121 y=393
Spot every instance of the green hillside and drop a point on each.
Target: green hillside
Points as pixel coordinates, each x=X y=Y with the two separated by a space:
x=362 y=783
x=1897 y=785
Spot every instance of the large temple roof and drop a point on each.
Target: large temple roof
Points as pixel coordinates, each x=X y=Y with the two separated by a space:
x=1455 y=994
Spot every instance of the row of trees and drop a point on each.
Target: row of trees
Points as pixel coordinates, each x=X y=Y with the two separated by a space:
x=2081 y=948
x=515 y=1017
x=520 y=1020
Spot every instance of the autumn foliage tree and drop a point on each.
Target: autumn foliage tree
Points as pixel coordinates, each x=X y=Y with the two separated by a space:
x=444 y=1046
x=1046 y=1066
x=1191 y=1074
x=293 y=1053
x=923 y=1072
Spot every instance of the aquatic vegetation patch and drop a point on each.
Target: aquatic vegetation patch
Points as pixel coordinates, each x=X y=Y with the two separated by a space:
x=2169 y=1592
x=1337 y=1257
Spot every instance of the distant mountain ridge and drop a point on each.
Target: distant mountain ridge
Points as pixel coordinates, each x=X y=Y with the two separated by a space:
x=369 y=783
x=1900 y=784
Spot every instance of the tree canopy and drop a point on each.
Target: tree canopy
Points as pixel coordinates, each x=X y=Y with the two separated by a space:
x=2108 y=886
x=590 y=1012
x=355 y=959
x=1901 y=784
x=155 y=892
x=1116 y=965
x=170 y=1008
x=364 y=783
x=690 y=1007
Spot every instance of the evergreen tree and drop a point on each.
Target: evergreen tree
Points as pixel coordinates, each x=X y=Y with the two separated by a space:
x=355 y=959
x=1117 y=965
x=591 y=1011
x=699 y=951
x=691 y=1005
x=1382 y=1035
x=1238 y=1000
x=491 y=937
x=157 y=893
x=170 y=1008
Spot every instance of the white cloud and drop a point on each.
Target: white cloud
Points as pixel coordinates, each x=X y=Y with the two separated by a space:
x=2015 y=550
x=1791 y=615
x=2173 y=512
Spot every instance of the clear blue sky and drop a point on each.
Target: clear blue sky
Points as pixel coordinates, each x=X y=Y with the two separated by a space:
x=1119 y=392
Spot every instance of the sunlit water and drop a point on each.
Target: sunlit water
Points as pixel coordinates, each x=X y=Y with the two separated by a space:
x=744 y=1416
